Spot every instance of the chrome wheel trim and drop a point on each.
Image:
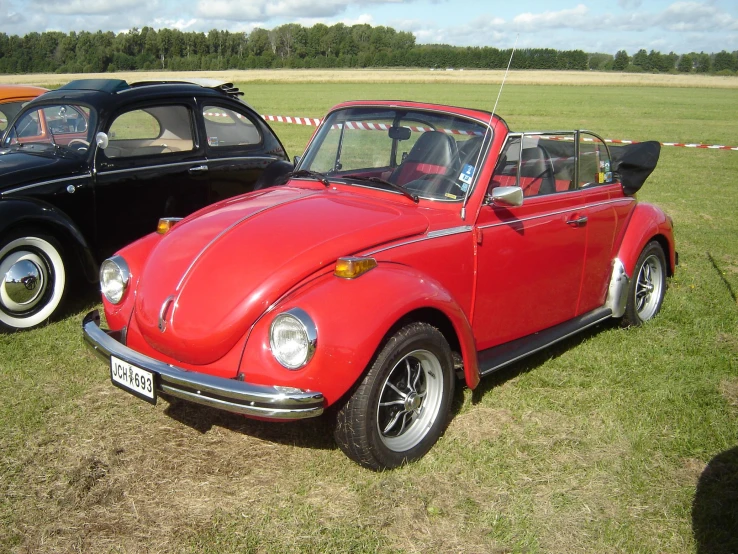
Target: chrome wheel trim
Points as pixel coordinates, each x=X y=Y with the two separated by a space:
x=409 y=400
x=24 y=283
x=649 y=287
x=45 y=257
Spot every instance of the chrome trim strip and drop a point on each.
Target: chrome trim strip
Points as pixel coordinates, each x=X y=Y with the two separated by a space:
x=237 y=158
x=449 y=231
x=51 y=182
x=147 y=167
x=617 y=291
x=272 y=402
x=548 y=214
x=432 y=235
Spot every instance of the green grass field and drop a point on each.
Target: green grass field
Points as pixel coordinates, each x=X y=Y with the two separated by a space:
x=618 y=440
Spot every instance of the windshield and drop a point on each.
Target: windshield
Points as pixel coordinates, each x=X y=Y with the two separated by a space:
x=63 y=126
x=428 y=154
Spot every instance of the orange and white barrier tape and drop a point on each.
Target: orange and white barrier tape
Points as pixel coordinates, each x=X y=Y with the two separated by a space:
x=315 y=122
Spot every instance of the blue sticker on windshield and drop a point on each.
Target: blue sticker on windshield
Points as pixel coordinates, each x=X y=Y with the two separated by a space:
x=466 y=174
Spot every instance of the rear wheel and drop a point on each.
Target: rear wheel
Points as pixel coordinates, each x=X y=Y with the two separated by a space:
x=401 y=406
x=648 y=286
x=32 y=280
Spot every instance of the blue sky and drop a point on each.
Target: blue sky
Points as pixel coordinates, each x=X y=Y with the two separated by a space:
x=664 y=25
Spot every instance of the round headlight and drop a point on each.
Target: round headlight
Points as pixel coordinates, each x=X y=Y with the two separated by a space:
x=114 y=278
x=293 y=338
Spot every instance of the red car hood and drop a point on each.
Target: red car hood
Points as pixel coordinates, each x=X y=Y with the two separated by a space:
x=224 y=267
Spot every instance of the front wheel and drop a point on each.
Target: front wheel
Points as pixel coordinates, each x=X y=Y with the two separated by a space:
x=402 y=404
x=32 y=280
x=646 y=292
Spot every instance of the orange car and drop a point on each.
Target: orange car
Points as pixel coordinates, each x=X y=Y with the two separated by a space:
x=12 y=98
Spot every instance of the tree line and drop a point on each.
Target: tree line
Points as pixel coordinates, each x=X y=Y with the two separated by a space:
x=295 y=46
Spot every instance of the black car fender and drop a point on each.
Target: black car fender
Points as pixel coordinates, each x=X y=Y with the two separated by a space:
x=28 y=213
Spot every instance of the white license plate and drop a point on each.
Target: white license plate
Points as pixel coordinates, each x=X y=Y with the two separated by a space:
x=135 y=380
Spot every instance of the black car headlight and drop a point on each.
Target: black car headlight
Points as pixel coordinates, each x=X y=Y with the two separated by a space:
x=293 y=338
x=114 y=278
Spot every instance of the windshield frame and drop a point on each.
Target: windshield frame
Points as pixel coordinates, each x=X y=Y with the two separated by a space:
x=398 y=116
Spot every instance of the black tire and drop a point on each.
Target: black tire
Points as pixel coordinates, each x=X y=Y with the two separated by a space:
x=413 y=376
x=647 y=287
x=33 y=279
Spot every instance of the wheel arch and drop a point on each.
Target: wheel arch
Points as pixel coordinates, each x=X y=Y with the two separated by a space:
x=19 y=215
x=646 y=224
x=439 y=319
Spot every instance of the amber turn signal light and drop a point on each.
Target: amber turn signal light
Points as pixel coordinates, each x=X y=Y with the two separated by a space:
x=166 y=223
x=350 y=268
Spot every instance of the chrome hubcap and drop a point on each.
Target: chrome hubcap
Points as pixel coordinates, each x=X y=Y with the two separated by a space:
x=410 y=400
x=24 y=281
x=649 y=286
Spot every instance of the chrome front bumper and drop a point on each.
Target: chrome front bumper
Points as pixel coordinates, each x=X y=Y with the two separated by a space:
x=270 y=402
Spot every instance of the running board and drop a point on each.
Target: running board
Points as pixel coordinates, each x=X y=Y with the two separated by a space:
x=498 y=357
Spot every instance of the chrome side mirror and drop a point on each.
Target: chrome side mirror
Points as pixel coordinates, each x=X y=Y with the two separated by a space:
x=506 y=196
x=101 y=139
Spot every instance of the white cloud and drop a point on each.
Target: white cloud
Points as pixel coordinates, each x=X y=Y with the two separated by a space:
x=263 y=10
x=578 y=17
x=695 y=16
x=85 y=7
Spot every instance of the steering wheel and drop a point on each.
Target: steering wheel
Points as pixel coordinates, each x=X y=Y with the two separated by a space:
x=84 y=143
x=450 y=182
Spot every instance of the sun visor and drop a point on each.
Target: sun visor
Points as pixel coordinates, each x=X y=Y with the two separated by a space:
x=634 y=163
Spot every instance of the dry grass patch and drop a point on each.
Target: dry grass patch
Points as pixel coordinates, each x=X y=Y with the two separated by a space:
x=395 y=75
x=729 y=387
x=115 y=473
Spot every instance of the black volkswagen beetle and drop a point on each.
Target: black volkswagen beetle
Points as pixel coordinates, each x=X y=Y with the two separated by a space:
x=93 y=165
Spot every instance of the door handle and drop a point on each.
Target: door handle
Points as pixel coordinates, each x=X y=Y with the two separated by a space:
x=578 y=222
x=198 y=169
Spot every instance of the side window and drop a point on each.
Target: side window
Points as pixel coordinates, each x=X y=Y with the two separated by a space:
x=594 y=162
x=150 y=131
x=544 y=164
x=226 y=127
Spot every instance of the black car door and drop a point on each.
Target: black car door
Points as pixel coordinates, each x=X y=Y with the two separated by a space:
x=238 y=145
x=153 y=166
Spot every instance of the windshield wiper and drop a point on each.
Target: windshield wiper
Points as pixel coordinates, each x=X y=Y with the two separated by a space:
x=309 y=173
x=398 y=188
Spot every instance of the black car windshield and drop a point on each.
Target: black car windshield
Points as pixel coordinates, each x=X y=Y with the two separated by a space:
x=68 y=127
x=430 y=154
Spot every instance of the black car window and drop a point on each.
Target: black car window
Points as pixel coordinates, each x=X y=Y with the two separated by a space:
x=60 y=125
x=150 y=131
x=226 y=127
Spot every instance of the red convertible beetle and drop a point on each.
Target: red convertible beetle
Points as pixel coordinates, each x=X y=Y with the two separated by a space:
x=413 y=243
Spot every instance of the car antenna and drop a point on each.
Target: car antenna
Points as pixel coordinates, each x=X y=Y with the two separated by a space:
x=489 y=125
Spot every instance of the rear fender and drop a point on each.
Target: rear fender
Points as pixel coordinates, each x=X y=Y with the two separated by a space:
x=646 y=223
x=353 y=318
x=35 y=214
